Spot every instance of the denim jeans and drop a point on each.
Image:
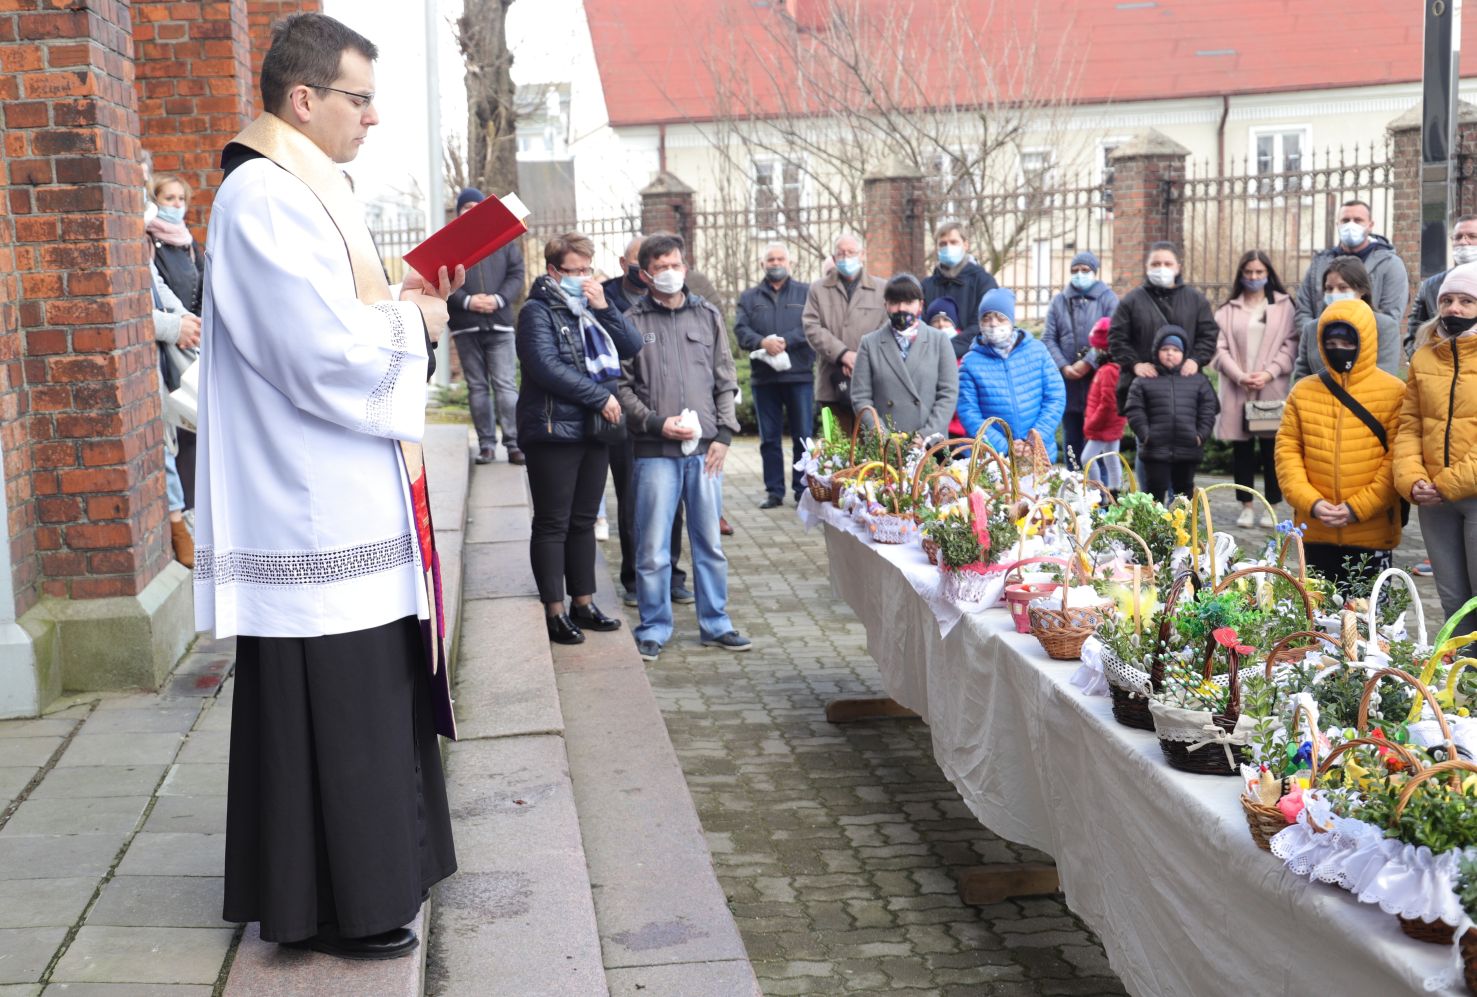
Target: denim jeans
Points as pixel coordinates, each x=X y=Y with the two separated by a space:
x=489 y=359
x=1109 y=471
x=174 y=489
x=772 y=403
x=658 y=483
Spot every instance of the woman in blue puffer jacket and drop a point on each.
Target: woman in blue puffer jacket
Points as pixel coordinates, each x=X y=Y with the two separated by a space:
x=570 y=343
x=1008 y=373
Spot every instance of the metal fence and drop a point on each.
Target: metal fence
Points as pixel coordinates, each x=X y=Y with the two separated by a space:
x=610 y=236
x=393 y=242
x=1291 y=214
x=730 y=241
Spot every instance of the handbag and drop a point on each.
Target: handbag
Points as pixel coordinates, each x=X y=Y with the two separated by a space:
x=1264 y=416
x=841 y=381
x=599 y=431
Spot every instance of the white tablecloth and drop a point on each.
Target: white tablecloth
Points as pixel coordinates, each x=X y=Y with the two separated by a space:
x=1158 y=862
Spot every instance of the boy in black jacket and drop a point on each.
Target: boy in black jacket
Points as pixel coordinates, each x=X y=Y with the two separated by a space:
x=1172 y=417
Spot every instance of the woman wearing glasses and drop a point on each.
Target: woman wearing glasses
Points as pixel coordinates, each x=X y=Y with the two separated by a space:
x=570 y=343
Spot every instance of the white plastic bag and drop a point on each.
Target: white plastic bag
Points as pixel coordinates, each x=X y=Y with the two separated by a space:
x=780 y=361
x=688 y=420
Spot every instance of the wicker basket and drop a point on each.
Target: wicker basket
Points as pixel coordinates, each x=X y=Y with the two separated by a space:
x=821 y=488
x=966 y=585
x=1018 y=596
x=930 y=549
x=1062 y=632
x=1469 y=959
x=1266 y=821
x=1433 y=932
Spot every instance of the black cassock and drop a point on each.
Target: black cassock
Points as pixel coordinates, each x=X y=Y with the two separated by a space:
x=336 y=813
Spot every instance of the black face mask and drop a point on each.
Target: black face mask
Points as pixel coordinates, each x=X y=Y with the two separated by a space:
x=901 y=320
x=633 y=274
x=1341 y=358
x=1455 y=325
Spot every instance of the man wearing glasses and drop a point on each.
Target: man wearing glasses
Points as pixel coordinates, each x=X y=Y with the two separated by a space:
x=315 y=546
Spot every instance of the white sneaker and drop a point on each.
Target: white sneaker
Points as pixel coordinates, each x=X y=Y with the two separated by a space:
x=1267 y=521
x=602 y=529
x=1247 y=517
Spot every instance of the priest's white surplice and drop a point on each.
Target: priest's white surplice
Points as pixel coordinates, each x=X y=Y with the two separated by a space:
x=303 y=517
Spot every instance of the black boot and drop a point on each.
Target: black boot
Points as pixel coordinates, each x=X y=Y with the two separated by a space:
x=589 y=617
x=386 y=945
x=563 y=630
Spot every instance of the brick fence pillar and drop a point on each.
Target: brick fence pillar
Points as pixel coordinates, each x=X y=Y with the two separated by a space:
x=83 y=437
x=1405 y=161
x=667 y=206
x=1146 y=170
x=896 y=241
x=260 y=16
x=193 y=66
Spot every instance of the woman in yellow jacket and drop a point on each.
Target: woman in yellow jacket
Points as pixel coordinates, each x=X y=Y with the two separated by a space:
x=1436 y=449
x=1334 y=469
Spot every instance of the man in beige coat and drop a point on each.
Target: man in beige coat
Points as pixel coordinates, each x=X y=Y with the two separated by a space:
x=840 y=309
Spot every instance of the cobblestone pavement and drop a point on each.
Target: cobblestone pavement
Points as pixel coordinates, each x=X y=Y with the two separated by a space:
x=838 y=846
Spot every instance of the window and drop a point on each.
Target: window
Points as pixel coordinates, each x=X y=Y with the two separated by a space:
x=777 y=189
x=1036 y=168
x=1277 y=159
x=946 y=184
x=1105 y=151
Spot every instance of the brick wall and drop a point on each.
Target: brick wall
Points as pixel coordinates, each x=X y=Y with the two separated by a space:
x=91 y=522
x=261 y=15
x=193 y=66
x=667 y=206
x=1405 y=158
x=1142 y=168
x=896 y=242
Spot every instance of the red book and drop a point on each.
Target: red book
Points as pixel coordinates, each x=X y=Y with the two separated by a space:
x=471 y=237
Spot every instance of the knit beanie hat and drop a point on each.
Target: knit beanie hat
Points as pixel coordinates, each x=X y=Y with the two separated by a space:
x=1171 y=339
x=998 y=299
x=1098 y=337
x=469 y=195
x=1461 y=280
x=941 y=306
x=1087 y=258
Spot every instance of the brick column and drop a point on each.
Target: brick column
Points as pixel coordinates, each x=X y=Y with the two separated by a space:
x=896 y=240
x=260 y=16
x=667 y=206
x=1145 y=170
x=193 y=64
x=83 y=437
x=1405 y=161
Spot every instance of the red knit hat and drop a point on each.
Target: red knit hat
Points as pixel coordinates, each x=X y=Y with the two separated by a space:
x=1098 y=338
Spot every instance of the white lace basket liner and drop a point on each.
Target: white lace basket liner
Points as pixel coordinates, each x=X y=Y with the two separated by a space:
x=1198 y=729
x=1405 y=880
x=889 y=528
x=973 y=589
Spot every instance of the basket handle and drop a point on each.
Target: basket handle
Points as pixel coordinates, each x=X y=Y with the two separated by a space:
x=921 y=472
x=1420 y=687
x=1297 y=716
x=1199 y=499
x=1269 y=569
x=1166 y=623
x=1133 y=482
x=1280 y=648
x=856 y=427
x=1120 y=528
x=1007 y=467
x=1415 y=600
x=1288 y=542
x=1406 y=755
x=1037 y=506
x=1457 y=667
x=1452 y=765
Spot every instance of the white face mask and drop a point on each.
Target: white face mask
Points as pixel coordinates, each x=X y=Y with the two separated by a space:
x=1352 y=234
x=668 y=281
x=997 y=335
x=1463 y=254
x=1329 y=297
x=1162 y=276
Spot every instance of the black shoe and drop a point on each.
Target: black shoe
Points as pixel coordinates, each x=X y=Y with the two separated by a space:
x=682 y=595
x=772 y=502
x=486 y=455
x=563 y=630
x=731 y=641
x=515 y=456
x=589 y=617
x=385 y=945
x=649 y=650
x=628 y=598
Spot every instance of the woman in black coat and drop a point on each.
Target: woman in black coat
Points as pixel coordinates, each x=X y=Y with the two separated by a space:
x=570 y=342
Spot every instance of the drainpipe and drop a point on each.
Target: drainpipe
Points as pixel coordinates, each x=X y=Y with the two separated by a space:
x=661 y=149
x=1220 y=135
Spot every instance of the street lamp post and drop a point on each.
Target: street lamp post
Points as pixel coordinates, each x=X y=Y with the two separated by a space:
x=1439 y=79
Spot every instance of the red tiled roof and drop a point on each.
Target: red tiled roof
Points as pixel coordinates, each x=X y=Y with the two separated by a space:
x=660 y=62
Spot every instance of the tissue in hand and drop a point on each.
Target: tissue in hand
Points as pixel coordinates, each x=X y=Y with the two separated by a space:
x=780 y=361
x=688 y=419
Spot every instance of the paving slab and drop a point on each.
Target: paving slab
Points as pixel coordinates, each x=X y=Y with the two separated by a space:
x=202 y=779
x=720 y=979
x=510 y=799
x=98 y=781
x=19 y=989
x=205 y=747
x=109 y=954
x=200 y=814
x=174 y=854
x=13 y=779
x=36 y=857
x=28 y=751
x=497 y=485
x=497 y=570
x=166 y=718
x=127 y=990
x=25 y=952
x=160 y=902
x=264 y=969
x=116 y=815
x=120 y=749
x=497 y=524
x=44 y=903
x=39 y=727
x=448 y=453
x=507 y=686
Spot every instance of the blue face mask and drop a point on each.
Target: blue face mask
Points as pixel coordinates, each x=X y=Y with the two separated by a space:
x=1253 y=285
x=573 y=286
x=951 y=255
x=1082 y=281
x=849 y=266
x=173 y=215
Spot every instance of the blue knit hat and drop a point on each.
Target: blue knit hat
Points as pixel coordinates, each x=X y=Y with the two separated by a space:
x=469 y=195
x=941 y=306
x=998 y=299
x=1170 y=335
x=1087 y=258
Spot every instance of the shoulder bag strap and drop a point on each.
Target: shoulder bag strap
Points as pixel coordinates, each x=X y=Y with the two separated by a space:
x=1363 y=414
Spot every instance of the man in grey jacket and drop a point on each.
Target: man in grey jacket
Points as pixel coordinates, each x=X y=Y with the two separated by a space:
x=1463 y=250
x=1389 y=282
x=683 y=374
x=840 y=309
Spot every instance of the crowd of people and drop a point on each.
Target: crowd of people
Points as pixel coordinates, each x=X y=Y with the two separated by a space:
x=1303 y=386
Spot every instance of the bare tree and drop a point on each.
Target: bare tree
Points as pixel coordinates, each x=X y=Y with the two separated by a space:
x=820 y=94
x=454 y=174
x=492 y=116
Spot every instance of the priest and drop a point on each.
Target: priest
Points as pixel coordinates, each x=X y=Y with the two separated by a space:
x=315 y=546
